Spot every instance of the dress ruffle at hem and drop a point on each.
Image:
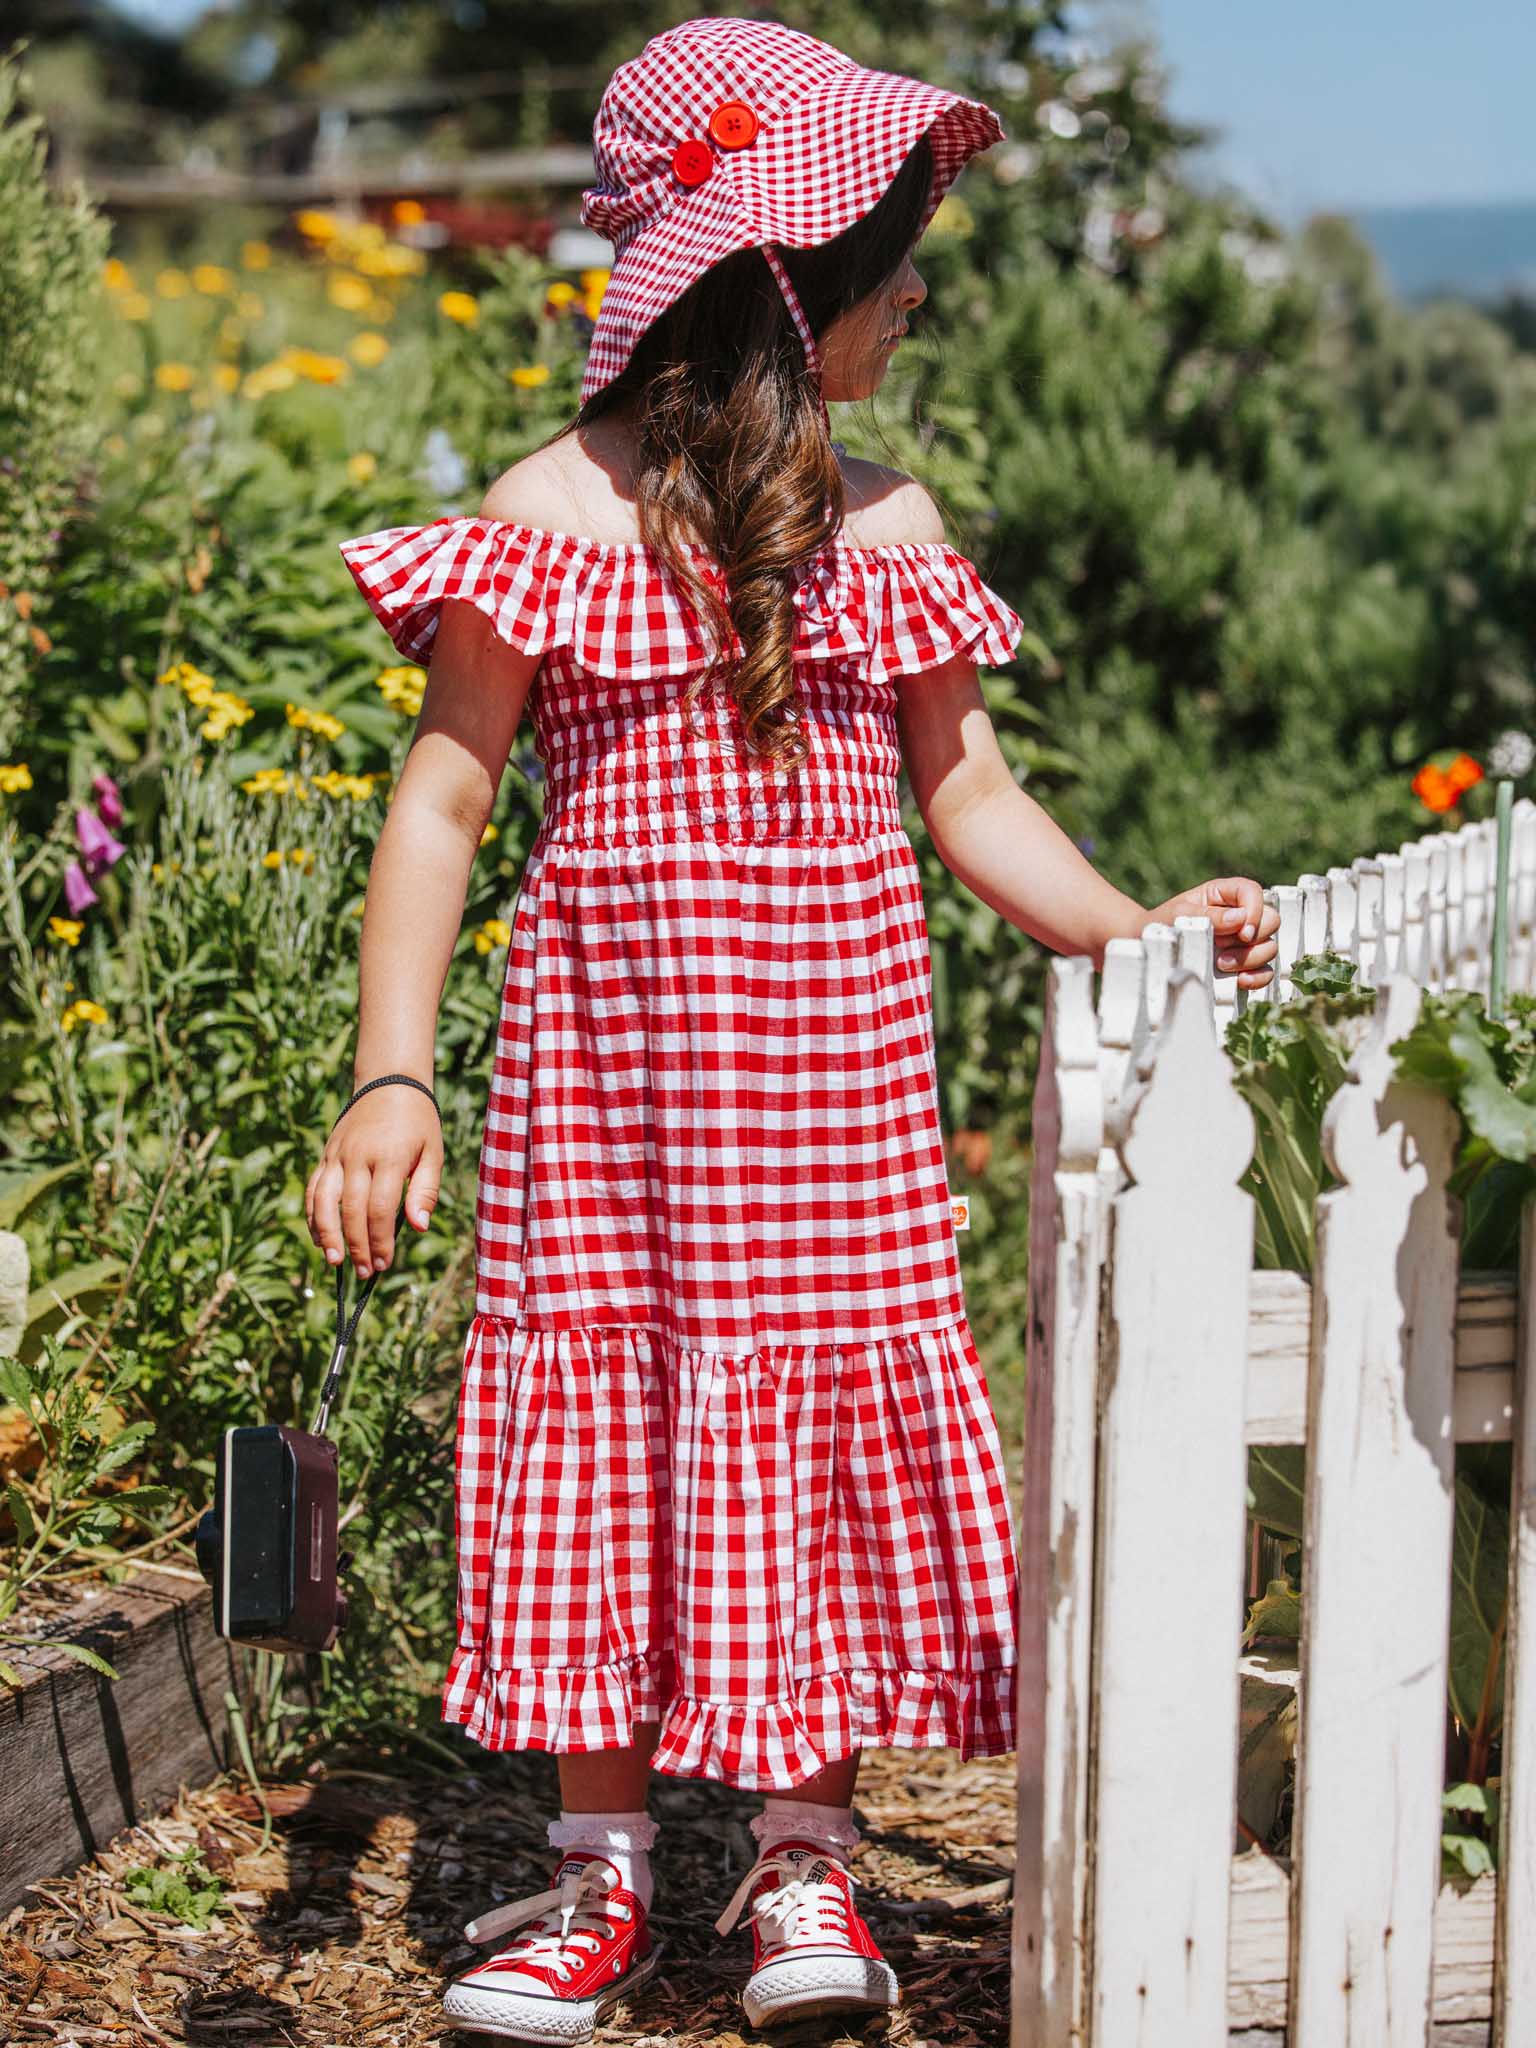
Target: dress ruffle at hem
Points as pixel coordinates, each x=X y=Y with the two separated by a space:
x=769 y=1747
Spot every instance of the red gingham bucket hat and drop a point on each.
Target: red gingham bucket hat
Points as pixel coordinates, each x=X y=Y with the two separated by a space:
x=725 y=135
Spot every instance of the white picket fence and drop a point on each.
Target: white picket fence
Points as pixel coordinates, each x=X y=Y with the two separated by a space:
x=1157 y=1356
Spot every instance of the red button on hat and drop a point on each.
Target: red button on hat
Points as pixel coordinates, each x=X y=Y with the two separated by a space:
x=733 y=124
x=692 y=161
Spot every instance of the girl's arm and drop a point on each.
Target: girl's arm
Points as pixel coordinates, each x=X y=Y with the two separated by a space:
x=417 y=884
x=1012 y=855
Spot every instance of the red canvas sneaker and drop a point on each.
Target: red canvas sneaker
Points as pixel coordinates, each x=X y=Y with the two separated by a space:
x=585 y=1946
x=811 y=1951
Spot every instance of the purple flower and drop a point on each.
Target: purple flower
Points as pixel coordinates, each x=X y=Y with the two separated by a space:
x=78 y=893
x=96 y=842
x=109 y=799
x=1085 y=846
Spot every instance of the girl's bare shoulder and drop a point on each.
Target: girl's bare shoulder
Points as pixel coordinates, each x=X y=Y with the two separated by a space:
x=581 y=483
x=886 y=507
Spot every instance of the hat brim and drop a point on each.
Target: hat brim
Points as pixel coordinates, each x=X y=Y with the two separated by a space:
x=813 y=170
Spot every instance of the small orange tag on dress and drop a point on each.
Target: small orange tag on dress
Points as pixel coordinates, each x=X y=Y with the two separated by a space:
x=960 y=1211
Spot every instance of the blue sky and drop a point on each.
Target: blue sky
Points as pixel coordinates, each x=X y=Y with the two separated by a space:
x=1355 y=102
x=1325 y=103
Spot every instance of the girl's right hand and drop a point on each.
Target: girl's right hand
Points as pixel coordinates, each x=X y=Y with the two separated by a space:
x=353 y=1196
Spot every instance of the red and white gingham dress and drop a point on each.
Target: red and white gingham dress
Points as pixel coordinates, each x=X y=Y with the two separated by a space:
x=726 y=1455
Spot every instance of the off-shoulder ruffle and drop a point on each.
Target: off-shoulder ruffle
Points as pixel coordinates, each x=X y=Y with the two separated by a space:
x=769 y=1747
x=889 y=610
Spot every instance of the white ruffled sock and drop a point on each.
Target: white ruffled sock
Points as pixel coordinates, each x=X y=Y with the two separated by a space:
x=624 y=1838
x=830 y=1826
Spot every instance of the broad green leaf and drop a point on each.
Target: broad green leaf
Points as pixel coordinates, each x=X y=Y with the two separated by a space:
x=1467 y=1855
x=1276 y=1613
x=1479 y=1590
x=1277 y=1486
x=21 y=1186
x=21 y=1512
x=1465 y=1799
x=70 y=1285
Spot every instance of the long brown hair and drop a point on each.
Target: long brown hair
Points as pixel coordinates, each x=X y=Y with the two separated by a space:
x=732 y=451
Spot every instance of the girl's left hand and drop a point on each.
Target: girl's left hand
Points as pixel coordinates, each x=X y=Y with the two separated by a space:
x=1244 y=925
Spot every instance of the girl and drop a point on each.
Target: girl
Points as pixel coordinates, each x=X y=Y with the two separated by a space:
x=731 y=1500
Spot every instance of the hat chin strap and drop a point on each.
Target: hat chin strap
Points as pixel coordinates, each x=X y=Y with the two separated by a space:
x=802 y=325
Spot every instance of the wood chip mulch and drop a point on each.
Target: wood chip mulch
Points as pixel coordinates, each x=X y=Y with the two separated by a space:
x=346 y=1927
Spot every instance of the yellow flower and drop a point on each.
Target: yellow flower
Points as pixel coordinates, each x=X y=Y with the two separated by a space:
x=368 y=348
x=212 y=280
x=402 y=688
x=82 y=1012
x=66 y=929
x=250 y=305
x=256 y=255
x=395 y=259
x=319 y=369
x=225 y=711
x=134 y=306
x=272 y=860
x=559 y=296
x=227 y=376
x=191 y=681
x=348 y=292
x=174 y=376
x=595 y=281
x=492 y=933
x=592 y=304
x=318 y=226
x=268 y=782
x=304 y=856
x=488 y=835
x=270 y=377
x=159 y=872
x=459 y=306
x=530 y=374
x=362 y=467
x=172 y=284
x=114 y=444
x=116 y=275
x=328 y=726
x=408 y=213
x=334 y=783
x=14 y=775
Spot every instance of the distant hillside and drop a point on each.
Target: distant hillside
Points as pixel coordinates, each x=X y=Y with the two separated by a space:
x=1477 y=252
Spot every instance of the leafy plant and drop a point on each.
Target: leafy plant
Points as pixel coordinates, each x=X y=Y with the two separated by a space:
x=1288 y=1062
x=70 y=1510
x=1467 y=1851
x=183 y=1886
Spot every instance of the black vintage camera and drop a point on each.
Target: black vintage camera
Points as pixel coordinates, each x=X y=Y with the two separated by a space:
x=267 y=1546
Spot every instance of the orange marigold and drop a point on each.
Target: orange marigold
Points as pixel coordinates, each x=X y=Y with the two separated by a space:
x=1434 y=788
x=1463 y=772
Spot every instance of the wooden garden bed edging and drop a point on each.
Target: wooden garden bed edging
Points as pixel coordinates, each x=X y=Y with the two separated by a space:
x=83 y=1756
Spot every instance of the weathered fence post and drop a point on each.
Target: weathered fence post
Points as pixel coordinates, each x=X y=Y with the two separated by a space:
x=1172 y=1487
x=1514 y=1975
x=1067 y=1214
x=1378 y=1523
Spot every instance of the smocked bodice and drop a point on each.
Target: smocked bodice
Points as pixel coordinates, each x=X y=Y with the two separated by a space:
x=625 y=762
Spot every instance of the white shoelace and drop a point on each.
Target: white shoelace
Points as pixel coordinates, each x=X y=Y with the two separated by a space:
x=580 y=1922
x=794 y=1908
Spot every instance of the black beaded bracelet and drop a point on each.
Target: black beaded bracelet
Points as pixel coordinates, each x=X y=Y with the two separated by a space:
x=409 y=1080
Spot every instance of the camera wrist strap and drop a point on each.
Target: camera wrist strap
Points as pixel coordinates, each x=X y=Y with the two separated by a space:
x=345 y=1325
